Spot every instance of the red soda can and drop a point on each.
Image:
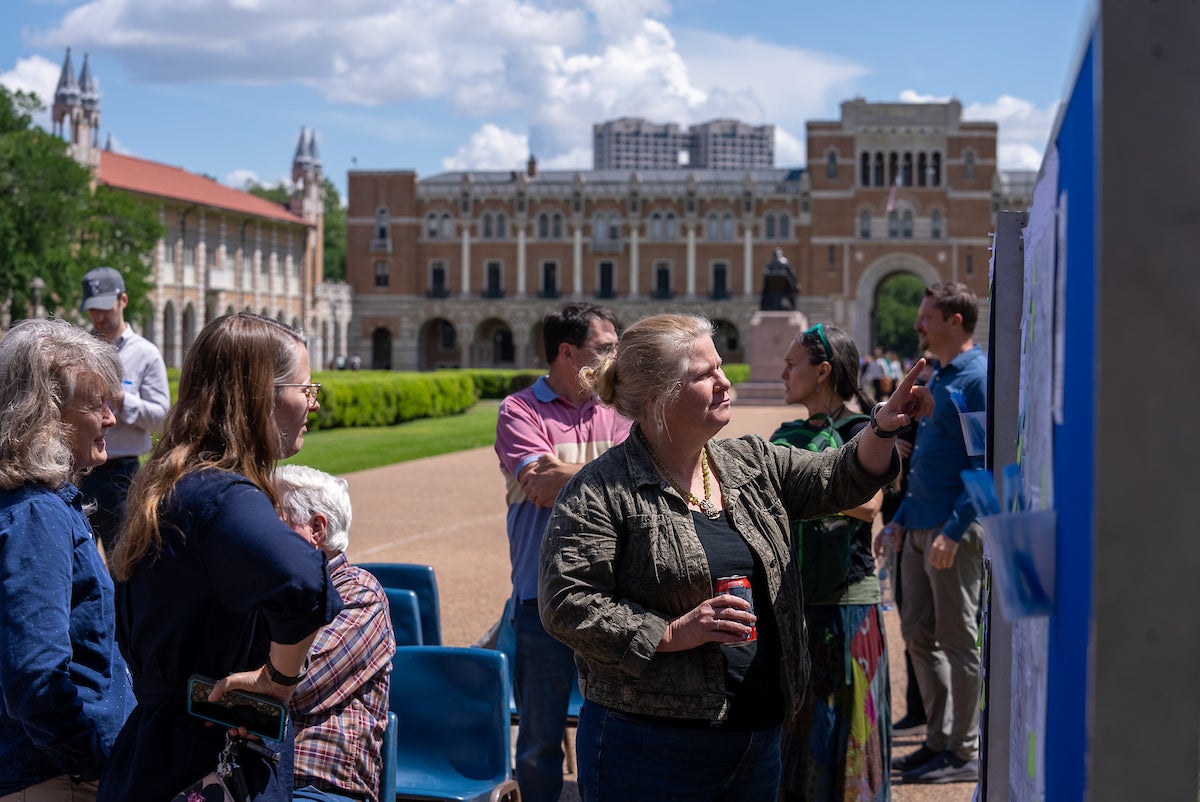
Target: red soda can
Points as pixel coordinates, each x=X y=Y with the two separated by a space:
x=739 y=586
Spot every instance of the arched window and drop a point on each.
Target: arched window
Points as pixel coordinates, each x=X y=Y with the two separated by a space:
x=447 y=227
x=893 y=168
x=431 y=226
x=906 y=174
x=969 y=165
x=864 y=170
x=785 y=227
x=922 y=169
x=877 y=177
x=935 y=170
x=672 y=227
x=487 y=225
x=614 y=228
x=907 y=227
x=893 y=225
x=558 y=229
x=656 y=226
x=710 y=227
x=543 y=226
x=727 y=227
x=831 y=164
x=769 y=225
x=935 y=224
x=501 y=226
x=864 y=224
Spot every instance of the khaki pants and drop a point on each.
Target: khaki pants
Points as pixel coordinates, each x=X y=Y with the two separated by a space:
x=940 y=624
x=58 y=789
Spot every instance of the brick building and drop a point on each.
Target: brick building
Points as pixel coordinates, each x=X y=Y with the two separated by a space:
x=459 y=268
x=224 y=250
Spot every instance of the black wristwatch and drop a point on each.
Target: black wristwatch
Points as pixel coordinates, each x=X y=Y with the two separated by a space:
x=279 y=678
x=875 y=427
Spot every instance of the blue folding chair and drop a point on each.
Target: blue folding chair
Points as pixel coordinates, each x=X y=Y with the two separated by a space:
x=387 y=772
x=418 y=578
x=454 y=740
x=406 y=616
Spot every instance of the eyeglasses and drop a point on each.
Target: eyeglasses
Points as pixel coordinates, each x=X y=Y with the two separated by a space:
x=600 y=350
x=310 y=391
x=819 y=330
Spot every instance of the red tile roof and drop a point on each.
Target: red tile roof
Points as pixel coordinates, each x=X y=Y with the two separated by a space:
x=164 y=181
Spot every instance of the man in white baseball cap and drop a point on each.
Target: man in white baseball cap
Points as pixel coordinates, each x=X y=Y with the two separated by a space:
x=139 y=408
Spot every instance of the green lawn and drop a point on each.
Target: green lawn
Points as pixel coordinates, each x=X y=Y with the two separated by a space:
x=339 y=451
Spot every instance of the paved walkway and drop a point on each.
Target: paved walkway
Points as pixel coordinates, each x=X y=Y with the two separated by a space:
x=449 y=511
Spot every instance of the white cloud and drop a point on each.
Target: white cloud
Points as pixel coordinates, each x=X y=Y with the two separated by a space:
x=561 y=65
x=238 y=179
x=789 y=150
x=39 y=76
x=490 y=148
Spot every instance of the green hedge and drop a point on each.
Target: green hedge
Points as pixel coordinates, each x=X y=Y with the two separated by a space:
x=382 y=397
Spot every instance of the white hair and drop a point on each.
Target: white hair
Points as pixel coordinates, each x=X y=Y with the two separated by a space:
x=305 y=491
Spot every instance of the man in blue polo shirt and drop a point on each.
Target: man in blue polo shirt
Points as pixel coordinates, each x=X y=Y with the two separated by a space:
x=942 y=552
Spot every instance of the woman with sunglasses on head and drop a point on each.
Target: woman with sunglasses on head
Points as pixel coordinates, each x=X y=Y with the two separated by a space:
x=210 y=581
x=839 y=748
x=685 y=684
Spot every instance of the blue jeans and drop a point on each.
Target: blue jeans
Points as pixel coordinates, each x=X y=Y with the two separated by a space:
x=626 y=759
x=312 y=794
x=542 y=678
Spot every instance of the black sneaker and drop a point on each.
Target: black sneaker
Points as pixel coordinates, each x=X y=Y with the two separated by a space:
x=911 y=724
x=945 y=768
x=915 y=760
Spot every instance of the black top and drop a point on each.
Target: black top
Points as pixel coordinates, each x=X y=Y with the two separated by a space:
x=751 y=668
x=231 y=578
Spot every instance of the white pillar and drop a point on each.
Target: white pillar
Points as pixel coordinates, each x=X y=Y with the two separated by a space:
x=691 y=261
x=633 y=262
x=577 y=263
x=748 y=262
x=521 y=262
x=465 y=271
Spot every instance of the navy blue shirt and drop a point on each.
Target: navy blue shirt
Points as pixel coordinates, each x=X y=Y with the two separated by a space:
x=936 y=496
x=65 y=687
x=230 y=579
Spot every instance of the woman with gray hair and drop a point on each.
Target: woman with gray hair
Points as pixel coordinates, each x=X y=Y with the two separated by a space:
x=686 y=685
x=65 y=687
x=340 y=707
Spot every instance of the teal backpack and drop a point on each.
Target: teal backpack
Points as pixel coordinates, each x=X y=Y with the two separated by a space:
x=822 y=546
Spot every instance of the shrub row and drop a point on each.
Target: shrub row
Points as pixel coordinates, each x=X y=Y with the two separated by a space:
x=384 y=398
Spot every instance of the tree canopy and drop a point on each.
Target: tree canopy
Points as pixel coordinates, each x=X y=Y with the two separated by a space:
x=896 y=306
x=53 y=227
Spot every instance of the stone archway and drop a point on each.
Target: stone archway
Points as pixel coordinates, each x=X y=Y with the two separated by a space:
x=876 y=273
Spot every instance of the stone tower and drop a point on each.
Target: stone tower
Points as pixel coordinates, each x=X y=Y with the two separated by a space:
x=76 y=113
x=308 y=189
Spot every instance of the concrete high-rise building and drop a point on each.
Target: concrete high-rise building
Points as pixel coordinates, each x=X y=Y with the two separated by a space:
x=731 y=145
x=632 y=143
x=459 y=268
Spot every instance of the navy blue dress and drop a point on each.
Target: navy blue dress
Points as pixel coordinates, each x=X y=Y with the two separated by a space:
x=230 y=579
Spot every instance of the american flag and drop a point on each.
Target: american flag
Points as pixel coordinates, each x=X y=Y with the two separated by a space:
x=891 y=204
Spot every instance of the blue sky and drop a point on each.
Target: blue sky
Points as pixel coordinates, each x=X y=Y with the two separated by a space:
x=223 y=87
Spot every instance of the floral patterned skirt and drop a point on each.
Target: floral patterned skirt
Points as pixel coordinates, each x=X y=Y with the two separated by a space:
x=839 y=749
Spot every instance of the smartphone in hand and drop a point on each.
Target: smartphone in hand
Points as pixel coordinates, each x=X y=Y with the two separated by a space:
x=260 y=715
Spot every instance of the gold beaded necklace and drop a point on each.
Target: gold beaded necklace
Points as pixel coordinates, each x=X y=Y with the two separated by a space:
x=706 y=506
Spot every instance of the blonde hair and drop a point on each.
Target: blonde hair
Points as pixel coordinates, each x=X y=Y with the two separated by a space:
x=224 y=419
x=646 y=372
x=44 y=364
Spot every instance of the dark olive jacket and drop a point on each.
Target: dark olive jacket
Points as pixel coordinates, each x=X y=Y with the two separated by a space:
x=621 y=559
